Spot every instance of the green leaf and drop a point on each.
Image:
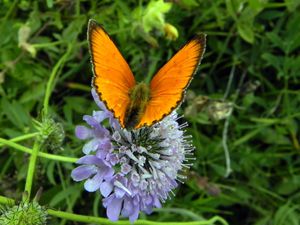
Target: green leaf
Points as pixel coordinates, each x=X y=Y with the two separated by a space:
x=288 y=185
x=275 y=39
x=189 y=3
x=275 y=61
x=258 y=5
x=292 y=5
x=15 y=113
x=287 y=214
x=245 y=23
x=234 y=7
x=275 y=136
x=246 y=31
x=74 y=28
x=64 y=194
x=50 y=172
x=49 y=3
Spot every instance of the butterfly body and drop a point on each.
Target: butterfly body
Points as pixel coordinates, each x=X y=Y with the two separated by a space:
x=136 y=105
x=139 y=96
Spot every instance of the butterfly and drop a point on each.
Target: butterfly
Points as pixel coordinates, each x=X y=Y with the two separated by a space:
x=136 y=105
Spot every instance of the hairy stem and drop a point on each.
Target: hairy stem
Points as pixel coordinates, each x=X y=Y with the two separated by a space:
x=23 y=137
x=31 y=169
x=40 y=154
x=104 y=221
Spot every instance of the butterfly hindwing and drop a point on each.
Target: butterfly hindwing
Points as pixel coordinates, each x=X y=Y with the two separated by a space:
x=167 y=87
x=113 y=78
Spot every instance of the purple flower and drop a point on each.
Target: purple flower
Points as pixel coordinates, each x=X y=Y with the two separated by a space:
x=133 y=170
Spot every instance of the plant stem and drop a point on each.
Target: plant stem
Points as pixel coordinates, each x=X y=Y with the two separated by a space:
x=58 y=157
x=11 y=9
x=222 y=51
x=41 y=154
x=225 y=147
x=104 y=221
x=231 y=75
x=226 y=124
x=31 y=169
x=6 y=201
x=23 y=137
x=53 y=74
x=77 y=86
x=6 y=165
x=46 y=45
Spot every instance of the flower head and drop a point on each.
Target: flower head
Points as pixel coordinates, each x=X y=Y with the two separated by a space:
x=30 y=213
x=52 y=133
x=134 y=170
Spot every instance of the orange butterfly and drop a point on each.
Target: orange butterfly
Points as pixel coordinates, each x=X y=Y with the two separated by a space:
x=136 y=105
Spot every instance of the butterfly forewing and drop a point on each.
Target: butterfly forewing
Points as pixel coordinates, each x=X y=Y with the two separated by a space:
x=168 y=85
x=113 y=78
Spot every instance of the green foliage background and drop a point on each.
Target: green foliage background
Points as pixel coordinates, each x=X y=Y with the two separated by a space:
x=252 y=59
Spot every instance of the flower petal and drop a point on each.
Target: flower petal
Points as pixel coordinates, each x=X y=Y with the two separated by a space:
x=156 y=203
x=119 y=192
x=101 y=154
x=114 y=208
x=106 y=188
x=113 y=159
x=83 y=172
x=90 y=159
x=99 y=130
x=106 y=144
x=93 y=184
x=91 y=121
x=108 y=173
x=114 y=123
x=127 y=208
x=97 y=100
x=135 y=214
x=100 y=116
x=91 y=146
x=104 y=148
x=83 y=132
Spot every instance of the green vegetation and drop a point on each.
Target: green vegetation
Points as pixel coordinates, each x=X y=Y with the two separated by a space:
x=242 y=105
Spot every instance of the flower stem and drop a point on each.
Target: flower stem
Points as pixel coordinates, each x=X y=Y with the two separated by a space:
x=31 y=169
x=49 y=44
x=40 y=154
x=23 y=137
x=83 y=218
x=53 y=74
x=6 y=201
x=104 y=221
x=226 y=124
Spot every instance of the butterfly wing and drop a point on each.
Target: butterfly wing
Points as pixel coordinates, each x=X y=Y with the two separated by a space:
x=113 y=78
x=167 y=87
